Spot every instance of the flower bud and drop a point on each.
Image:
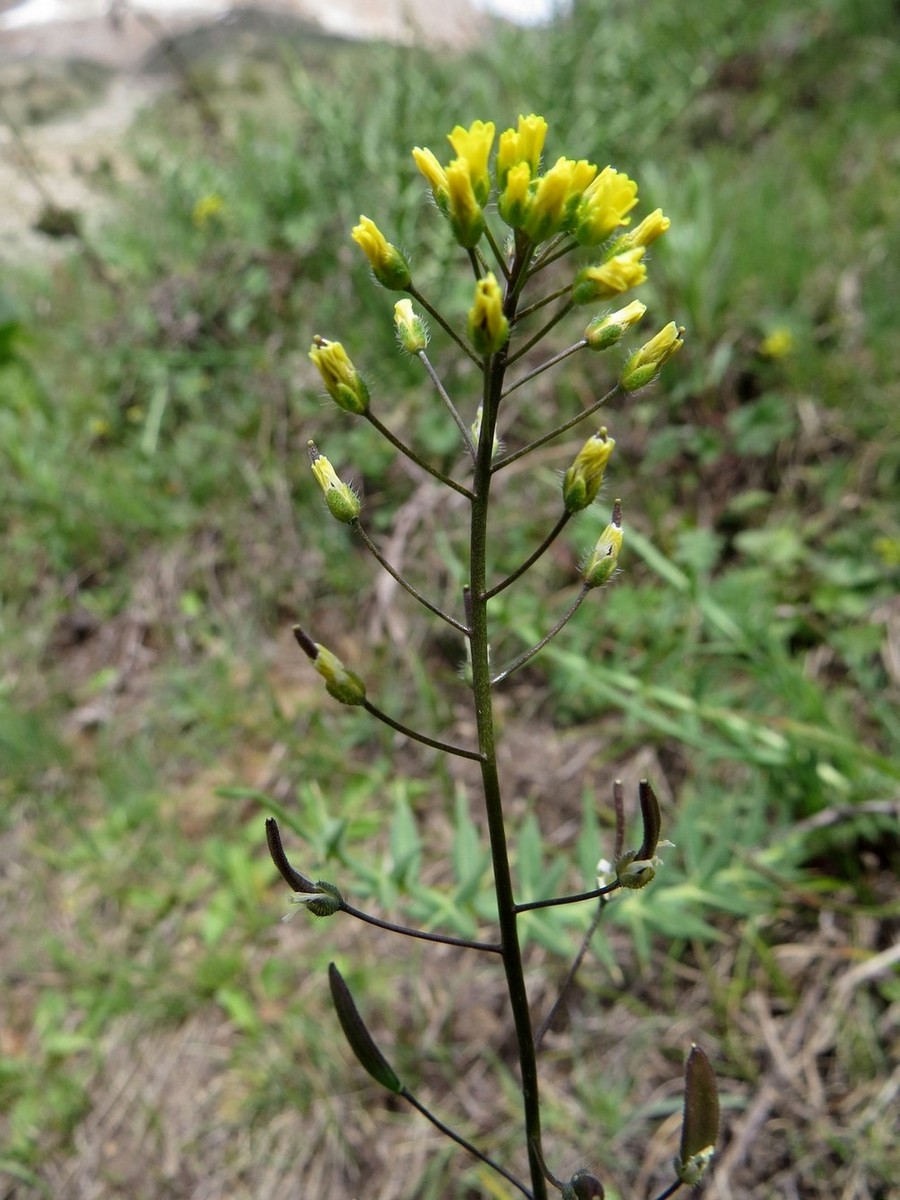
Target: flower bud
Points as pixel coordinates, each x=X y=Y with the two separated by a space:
x=343 y=382
x=653 y=226
x=521 y=145
x=474 y=146
x=434 y=173
x=604 y=206
x=344 y=685
x=555 y=196
x=475 y=430
x=488 y=327
x=602 y=562
x=388 y=265
x=582 y=480
x=616 y=275
x=325 y=901
x=516 y=197
x=466 y=215
x=343 y=502
x=411 y=331
x=645 y=364
x=604 y=332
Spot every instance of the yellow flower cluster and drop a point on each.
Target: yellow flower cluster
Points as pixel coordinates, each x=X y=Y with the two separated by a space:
x=570 y=197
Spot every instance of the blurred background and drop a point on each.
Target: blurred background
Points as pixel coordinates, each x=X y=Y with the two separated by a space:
x=177 y=187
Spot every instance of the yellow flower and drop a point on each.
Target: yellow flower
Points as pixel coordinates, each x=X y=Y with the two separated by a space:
x=778 y=343
x=618 y=274
x=515 y=198
x=388 y=265
x=555 y=194
x=208 y=209
x=644 y=234
x=604 y=206
x=488 y=327
x=604 y=332
x=466 y=216
x=433 y=172
x=343 y=382
x=522 y=145
x=342 y=501
x=582 y=480
x=411 y=331
x=474 y=145
x=645 y=364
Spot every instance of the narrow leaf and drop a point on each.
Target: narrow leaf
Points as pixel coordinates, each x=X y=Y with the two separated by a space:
x=361 y=1043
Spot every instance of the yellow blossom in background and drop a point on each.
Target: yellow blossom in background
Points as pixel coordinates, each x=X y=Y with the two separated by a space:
x=208 y=208
x=522 y=145
x=474 y=145
x=778 y=343
x=617 y=275
x=604 y=206
x=466 y=216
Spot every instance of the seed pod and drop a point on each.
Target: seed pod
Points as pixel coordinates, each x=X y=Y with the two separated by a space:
x=361 y=1043
x=700 y=1126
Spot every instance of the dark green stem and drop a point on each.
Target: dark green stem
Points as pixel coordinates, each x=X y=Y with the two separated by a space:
x=481 y=686
x=461 y=1141
x=570 y=977
x=450 y=406
x=545 y=366
x=395 y=574
x=547 y=437
x=435 y=315
x=529 y=654
x=460 y=751
x=444 y=938
x=594 y=894
x=562 y=311
x=532 y=558
x=417 y=458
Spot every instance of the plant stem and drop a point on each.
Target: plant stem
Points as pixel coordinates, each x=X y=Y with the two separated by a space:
x=395 y=574
x=594 y=894
x=570 y=977
x=451 y=407
x=560 y=624
x=532 y=558
x=481 y=686
x=416 y=458
x=435 y=315
x=547 y=437
x=461 y=1141
x=545 y=366
x=444 y=938
x=460 y=751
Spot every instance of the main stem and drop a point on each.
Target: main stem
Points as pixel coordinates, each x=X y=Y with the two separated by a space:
x=484 y=714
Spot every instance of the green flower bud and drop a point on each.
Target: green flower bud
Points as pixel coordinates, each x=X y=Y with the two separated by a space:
x=582 y=480
x=343 y=382
x=604 y=332
x=325 y=901
x=343 y=503
x=605 y=555
x=344 y=685
x=411 y=330
x=645 y=364
x=466 y=215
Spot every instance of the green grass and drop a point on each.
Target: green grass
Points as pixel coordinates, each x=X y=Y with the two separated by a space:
x=161 y=532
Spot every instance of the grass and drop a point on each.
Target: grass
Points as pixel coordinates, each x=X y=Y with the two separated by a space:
x=162 y=534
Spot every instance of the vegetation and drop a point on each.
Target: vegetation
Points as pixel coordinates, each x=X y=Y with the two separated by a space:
x=162 y=533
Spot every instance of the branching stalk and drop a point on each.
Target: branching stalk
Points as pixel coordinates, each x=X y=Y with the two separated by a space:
x=451 y=407
x=532 y=558
x=411 y=454
x=548 y=637
x=548 y=437
x=435 y=744
x=404 y=583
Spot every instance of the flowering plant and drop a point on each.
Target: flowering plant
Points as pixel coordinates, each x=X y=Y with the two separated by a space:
x=513 y=220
